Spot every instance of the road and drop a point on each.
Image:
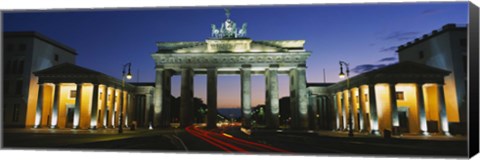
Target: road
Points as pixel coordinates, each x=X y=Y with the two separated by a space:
x=227 y=138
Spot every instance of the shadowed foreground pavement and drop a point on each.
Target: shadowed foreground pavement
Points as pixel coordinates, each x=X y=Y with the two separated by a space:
x=229 y=139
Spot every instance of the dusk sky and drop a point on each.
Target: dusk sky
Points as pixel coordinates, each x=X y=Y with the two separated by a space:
x=364 y=35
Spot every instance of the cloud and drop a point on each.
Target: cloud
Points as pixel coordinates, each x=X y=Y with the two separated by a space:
x=367 y=67
x=401 y=36
x=389 y=49
x=387 y=59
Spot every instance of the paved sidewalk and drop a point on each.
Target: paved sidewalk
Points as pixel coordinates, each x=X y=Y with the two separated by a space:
x=402 y=136
x=80 y=131
x=433 y=136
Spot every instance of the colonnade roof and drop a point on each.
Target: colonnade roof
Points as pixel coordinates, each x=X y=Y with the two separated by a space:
x=71 y=73
x=403 y=72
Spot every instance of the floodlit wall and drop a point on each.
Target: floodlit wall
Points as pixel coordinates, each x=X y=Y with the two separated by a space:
x=410 y=102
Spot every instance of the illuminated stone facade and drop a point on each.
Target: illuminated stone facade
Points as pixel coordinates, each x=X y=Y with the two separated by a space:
x=71 y=96
x=227 y=52
x=397 y=98
x=444 y=48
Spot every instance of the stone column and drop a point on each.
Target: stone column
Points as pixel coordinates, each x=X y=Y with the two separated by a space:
x=300 y=98
x=372 y=100
x=56 y=103
x=344 y=111
x=186 y=99
x=125 y=108
x=114 y=108
x=272 y=104
x=166 y=93
x=39 y=111
x=132 y=110
x=78 y=101
x=361 y=102
x=105 y=107
x=315 y=111
x=158 y=97
x=94 y=111
x=148 y=109
x=246 y=95
x=442 y=110
x=421 y=110
x=212 y=98
x=394 y=109
x=335 y=108
x=352 y=109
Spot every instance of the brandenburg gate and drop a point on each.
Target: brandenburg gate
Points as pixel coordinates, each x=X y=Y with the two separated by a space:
x=229 y=51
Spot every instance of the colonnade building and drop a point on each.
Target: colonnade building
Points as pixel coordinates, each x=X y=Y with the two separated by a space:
x=403 y=97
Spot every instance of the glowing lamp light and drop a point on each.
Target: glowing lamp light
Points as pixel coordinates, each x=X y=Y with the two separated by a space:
x=129 y=76
x=341 y=75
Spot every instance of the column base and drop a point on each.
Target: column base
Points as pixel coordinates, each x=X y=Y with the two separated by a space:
x=93 y=128
x=54 y=127
x=424 y=133
x=37 y=126
x=446 y=133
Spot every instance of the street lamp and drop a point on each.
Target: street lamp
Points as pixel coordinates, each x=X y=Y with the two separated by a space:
x=342 y=75
x=127 y=76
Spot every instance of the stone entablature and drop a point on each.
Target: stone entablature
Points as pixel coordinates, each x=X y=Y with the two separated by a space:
x=229 y=55
x=237 y=45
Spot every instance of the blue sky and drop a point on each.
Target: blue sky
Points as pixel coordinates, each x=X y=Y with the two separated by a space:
x=365 y=35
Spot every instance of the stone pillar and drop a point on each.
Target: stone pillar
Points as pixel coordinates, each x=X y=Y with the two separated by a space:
x=352 y=109
x=272 y=103
x=315 y=111
x=394 y=109
x=125 y=109
x=372 y=100
x=212 y=98
x=158 y=97
x=114 y=108
x=133 y=110
x=39 y=111
x=442 y=111
x=186 y=98
x=421 y=110
x=56 y=103
x=148 y=109
x=344 y=111
x=299 y=98
x=166 y=93
x=361 y=102
x=120 y=109
x=335 y=108
x=246 y=95
x=94 y=111
x=105 y=107
x=78 y=101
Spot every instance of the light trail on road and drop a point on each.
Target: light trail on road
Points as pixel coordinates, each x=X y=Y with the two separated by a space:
x=230 y=143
